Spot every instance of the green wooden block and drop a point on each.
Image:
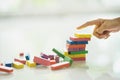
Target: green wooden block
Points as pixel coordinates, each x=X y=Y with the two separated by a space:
x=78 y=52
x=66 y=58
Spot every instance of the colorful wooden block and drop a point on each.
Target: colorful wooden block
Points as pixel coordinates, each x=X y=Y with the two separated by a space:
x=6 y=69
x=75 y=49
x=23 y=61
x=27 y=57
x=79 y=59
x=82 y=35
x=57 y=59
x=79 y=39
x=51 y=57
x=76 y=42
x=43 y=55
x=8 y=64
x=21 y=54
x=78 y=52
x=79 y=46
x=18 y=65
x=74 y=56
x=66 y=58
x=52 y=62
x=60 y=65
x=30 y=63
x=41 y=61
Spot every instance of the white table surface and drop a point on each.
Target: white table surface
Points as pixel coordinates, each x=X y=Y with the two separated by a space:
x=40 y=34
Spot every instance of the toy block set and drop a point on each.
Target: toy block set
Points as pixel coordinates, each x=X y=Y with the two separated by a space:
x=76 y=47
x=76 y=51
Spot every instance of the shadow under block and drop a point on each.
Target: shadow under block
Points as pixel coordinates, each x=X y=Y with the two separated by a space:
x=6 y=69
x=82 y=35
x=18 y=65
x=65 y=58
x=31 y=63
x=60 y=65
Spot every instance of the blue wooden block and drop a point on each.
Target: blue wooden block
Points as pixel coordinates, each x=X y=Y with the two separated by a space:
x=77 y=42
x=27 y=57
x=8 y=64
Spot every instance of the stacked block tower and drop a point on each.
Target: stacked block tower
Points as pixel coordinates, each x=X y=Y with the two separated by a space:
x=76 y=47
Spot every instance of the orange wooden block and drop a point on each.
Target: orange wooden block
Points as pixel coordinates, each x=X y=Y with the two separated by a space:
x=76 y=46
x=6 y=69
x=59 y=65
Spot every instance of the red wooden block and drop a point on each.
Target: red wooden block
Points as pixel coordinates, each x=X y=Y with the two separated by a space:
x=6 y=69
x=79 y=59
x=41 y=61
x=23 y=61
x=21 y=54
x=59 y=65
x=76 y=46
x=52 y=62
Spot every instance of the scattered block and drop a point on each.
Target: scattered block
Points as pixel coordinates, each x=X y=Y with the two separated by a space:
x=18 y=65
x=21 y=54
x=52 y=62
x=57 y=59
x=23 y=61
x=66 y=58
x=60 y=65
x=6 y=69
x=27 y=57
x=9 y=64
x=41 y=61
x=44 y=55
x=30 y=63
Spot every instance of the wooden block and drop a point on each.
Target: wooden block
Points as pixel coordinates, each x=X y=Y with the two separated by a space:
x=1 y=64
x=6 y=69
x=79 y=59
x=82 y=35
x=78 y=52
x=21 y=54
x=60 y=65
x=43 y=55
x=80 y=46
x=30 y=63
x=57 y=59
x=27 y=57
x=51 y=57
x=76 y=42
x=74 y=56
x=18 y=65
x=79 y=39
x=41 y=61
x=52 y=62
x=9 y=64
x=23 y=61
x=75 y=49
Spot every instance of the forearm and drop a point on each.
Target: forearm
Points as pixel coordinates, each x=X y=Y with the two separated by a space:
x=118 y=21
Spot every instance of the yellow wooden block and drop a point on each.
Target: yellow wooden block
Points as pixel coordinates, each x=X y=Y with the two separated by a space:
x=31 y=63
x=82 y=35
x=18 y=65
x=74 y=56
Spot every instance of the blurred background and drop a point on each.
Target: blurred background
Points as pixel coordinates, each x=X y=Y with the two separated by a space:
x=34 y=26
